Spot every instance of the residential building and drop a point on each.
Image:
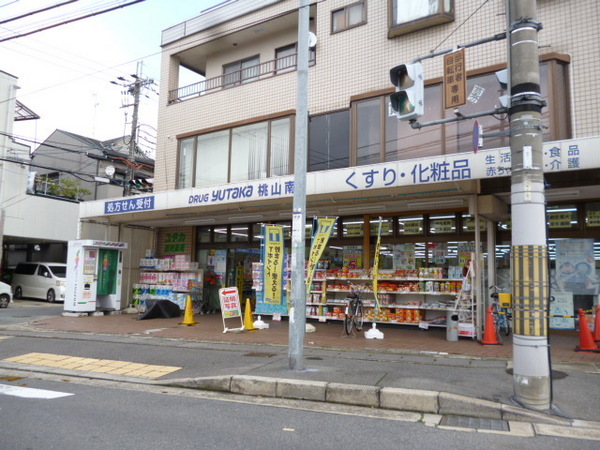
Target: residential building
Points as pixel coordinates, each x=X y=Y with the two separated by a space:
x=225 y=153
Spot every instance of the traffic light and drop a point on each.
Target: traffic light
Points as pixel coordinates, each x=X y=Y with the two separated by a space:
x=407 y=101
x=142 y=184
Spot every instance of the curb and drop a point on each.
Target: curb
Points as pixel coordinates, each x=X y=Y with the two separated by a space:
x=430 y=402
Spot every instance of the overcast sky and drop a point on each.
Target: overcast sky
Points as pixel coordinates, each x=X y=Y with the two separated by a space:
x=64 y=73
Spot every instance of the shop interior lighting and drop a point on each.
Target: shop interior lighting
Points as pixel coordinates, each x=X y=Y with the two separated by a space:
x=249 y=218
x=452 y=202
x=198 y=221
x=370 y=208
x=562 y=194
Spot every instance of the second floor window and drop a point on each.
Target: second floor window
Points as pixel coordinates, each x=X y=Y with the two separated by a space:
x=244 y=153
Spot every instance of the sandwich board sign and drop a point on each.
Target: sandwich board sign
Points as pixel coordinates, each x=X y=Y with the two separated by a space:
x=230 y=307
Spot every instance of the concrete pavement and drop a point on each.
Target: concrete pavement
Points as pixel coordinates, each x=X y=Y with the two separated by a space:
x=409 y=370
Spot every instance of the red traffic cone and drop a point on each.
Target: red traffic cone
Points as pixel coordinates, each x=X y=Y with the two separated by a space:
x=597 y=325
x=586 y=341
x=490 y=335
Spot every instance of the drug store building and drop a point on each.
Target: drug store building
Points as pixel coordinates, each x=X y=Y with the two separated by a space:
x=225 y=154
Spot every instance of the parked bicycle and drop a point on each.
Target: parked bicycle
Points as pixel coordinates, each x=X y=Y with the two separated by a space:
x=501 y=308
x=355 y=312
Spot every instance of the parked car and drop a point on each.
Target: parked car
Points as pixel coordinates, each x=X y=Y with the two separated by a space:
x=40 y=280
x=5 y=295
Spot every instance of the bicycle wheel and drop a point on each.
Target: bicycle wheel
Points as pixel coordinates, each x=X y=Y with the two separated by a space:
x=349 y=318
x=359 y=316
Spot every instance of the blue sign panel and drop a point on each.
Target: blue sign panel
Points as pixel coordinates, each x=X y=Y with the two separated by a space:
x=132 y=204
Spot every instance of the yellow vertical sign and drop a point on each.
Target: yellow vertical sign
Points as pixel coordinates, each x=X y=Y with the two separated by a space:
x=273 y=264
x=323 y=229
x=376 y=268
x=455 y=85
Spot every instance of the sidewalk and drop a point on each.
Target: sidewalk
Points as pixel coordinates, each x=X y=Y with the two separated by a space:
x=327 y=335
x=410 y=369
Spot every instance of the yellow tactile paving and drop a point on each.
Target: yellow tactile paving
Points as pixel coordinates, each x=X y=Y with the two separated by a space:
x=93 y=365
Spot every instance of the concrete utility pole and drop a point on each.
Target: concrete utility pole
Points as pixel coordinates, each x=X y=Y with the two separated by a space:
x=297 y=311
x=531 y=355
x=135 y=89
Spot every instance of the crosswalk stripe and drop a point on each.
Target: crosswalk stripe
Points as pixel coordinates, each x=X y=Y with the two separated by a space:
x=25 y=392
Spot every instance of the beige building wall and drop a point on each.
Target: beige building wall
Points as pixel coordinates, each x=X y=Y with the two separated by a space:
x=357 y=62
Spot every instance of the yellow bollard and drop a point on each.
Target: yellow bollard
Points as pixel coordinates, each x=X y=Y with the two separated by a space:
x=248 y=320
x=188 y=317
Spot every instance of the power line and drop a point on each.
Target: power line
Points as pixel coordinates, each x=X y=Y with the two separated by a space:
x=37 y=11
x=71 y=20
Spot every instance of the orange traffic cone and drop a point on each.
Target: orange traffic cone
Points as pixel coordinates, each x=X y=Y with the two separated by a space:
x=490 y=335
x=248 y=320
x=597 y=325
x=586 y=341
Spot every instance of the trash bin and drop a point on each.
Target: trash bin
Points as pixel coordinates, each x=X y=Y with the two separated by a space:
x=452 y=327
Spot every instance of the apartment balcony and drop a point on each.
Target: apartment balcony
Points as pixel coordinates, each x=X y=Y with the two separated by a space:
x=245 y=75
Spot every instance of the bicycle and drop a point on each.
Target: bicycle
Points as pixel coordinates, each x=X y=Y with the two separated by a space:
x=355 y=312
x=502 y=313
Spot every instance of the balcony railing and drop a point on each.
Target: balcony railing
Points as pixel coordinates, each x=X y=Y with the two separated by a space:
x=244 y=75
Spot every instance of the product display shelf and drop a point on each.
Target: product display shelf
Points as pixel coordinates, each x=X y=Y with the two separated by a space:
x=173 y=284
x=424 y=308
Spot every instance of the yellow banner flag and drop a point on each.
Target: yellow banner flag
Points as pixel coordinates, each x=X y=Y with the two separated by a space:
x=322 y=230
x=273 y=264
x=376 y=268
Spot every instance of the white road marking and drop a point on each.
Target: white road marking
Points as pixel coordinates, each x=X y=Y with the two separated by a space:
x=25 y=392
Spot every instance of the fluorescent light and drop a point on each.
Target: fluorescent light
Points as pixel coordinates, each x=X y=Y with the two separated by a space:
x=198 y=221
x=308 y=213
x=453 y=202
x=363 y=208
x=249 y=218
x=563 y=194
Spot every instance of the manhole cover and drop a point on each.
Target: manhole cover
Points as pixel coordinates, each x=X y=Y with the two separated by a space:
x=556 y=374
x=259 y=354
x=475 y=422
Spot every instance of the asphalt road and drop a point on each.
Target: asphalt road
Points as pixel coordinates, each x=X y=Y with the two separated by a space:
x=100 y=415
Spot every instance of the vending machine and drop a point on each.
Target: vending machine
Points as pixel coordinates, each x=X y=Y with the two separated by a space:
x=94 y=276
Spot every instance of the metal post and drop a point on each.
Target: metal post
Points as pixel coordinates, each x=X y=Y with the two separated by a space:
x=297 y=310
x=531 y=379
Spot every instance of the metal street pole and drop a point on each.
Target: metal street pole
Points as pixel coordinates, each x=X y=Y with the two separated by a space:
x=297 y=310
x=531 y=356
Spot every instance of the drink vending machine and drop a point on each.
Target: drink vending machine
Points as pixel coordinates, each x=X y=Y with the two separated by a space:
x=94 y=275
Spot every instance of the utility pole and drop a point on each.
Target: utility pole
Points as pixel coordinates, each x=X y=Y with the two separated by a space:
x=133 y=88
x=297 y=313
x=531 y=353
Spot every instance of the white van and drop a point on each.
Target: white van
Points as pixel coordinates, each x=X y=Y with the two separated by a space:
x=5 y=295
x=40 y=280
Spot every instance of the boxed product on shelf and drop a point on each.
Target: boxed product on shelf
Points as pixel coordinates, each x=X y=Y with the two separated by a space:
x=466 y=329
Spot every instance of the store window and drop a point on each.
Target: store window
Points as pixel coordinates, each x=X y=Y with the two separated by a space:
x=243 y=153
x=442 y=223
x=353 y=227
x=368 y=132
x=411 y=225
x=468 y=223
x=257 y=235
x=221 y=233
x=242 y=71
x=240 y=233
x=329 y=141
x=203 y=235
x=387 y=226
x=349 y=16
x=592 y=215
x=562 y=217
x=406 y=16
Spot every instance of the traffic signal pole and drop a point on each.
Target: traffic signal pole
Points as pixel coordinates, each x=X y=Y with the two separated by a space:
x=531 y=356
